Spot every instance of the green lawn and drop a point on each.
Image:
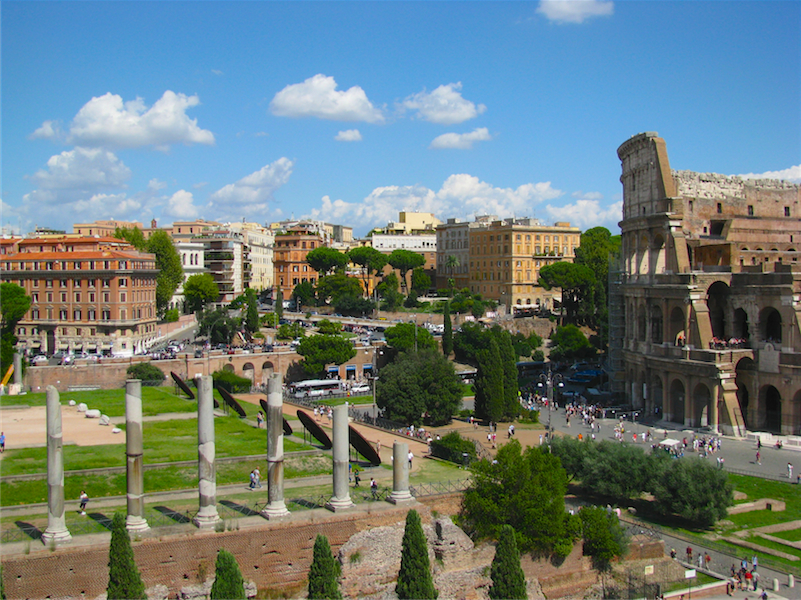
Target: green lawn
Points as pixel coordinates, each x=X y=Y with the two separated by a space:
x=792 y=535
x=757 y=488
x=353 y=400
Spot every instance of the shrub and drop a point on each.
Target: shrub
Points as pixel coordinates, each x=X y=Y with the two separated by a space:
x=231 y=382
x=171 y=316
x=452 y=447
x=146 y=371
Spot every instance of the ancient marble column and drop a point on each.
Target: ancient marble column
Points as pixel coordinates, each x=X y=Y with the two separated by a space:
x=400 y=474
x=135 y=472
x=18 y=368
x=56 y=532
x=275 y=449
x=341 y=441
x=207 y=474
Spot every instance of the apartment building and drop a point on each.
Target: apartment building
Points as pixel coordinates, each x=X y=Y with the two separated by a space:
x=453 y=250
x=506 y=257
x=289 y=257
x=260 y=241
x=105 y=228
x=88 y=294
x=709 y=295
x=226 y=258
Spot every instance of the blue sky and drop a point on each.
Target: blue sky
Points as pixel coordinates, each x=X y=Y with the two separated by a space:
x=353 y=111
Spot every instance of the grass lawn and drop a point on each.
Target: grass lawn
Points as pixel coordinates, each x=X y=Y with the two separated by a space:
x=793 y=535
x=353 y=400
x=699 y=580
x=757 y=488
x=155 y=401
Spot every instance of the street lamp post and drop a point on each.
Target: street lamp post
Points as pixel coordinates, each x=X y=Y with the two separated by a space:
x=550 y=380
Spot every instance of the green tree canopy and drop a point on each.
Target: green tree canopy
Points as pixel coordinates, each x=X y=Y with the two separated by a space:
x=577 y=283
x=228 y=583
x=388 y=289
x=217 y=325
x=569 y=342
x=14 y=303
x=304 y=292
x=369 y=259
x=508 y=580
x=326 y=327
x=694 y=490
x=489 y=398
x=405 y=261
x=421 y=282
x=324 y=572
x=417 y=384
x=168 y=263
x=525 y=489
x=402 y=337
x=414 y=578
x=321 y=350
x=325 y=259
x=251 y=320
x=134 y=236
x=351 y=305
x=331 y=287
x=124 y=581
x=604 y=538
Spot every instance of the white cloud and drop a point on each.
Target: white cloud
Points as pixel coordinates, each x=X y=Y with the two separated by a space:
x=108 y=122
x=261 y=134
x=217 y=72
x=575 y=11
x=444 y=106
x=349 y=135
x=83 y=169
x=181 y=206
x=462 y=195
x=50 y=130
x=587 y=212
x=318 y=97
x=250 y=195
x=792 y=174
x=154 y=185
x=461 y=141
x=200 y=184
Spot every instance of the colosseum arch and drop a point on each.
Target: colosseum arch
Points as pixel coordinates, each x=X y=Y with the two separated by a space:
x=700 y=406
x=229 y=367
x=267 y=370
x=642 y=255
x=658 y=255
x=676 y=401
x=656 y=324
x=655 y=401
x=641 y=323
x=792 y=426
x=717 y=300
x=741 y=329
x=677 y=323
x=745 y=380
x=769 y=417
x=770 y=325
x=249 y=371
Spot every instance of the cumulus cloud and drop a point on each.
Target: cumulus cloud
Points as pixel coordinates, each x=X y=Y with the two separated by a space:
x=251 y=195
x=461 y=195
x=107 y=121
x=349 y=135
x=587 y=211
x=461 y=141
x=444 y=106
x=792 y=174
x=575 y=11
x=84 y=169
x=181 y=206
x=50 y=130
x=318 y=97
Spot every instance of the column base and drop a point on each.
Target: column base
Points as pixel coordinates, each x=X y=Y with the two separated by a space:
x=400 y=498
x=207 y=521
x=136 y=524
x=275 y=510
x=56 y=537
x=340 y=504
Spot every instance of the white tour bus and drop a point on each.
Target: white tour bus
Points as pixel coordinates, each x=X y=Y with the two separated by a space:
x=315 y=387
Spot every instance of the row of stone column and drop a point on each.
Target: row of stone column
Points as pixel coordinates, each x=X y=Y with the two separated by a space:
x=207 y=515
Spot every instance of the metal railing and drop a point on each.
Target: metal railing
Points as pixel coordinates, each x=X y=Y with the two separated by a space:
x=435 y=488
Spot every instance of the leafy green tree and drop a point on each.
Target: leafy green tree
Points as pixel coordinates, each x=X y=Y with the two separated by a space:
x=199 y=290
x=604 y=473
x=304 y=293
x=228 y=583
x=403 y=336
x=269 y=319
x=694 y=490
x=168 y=263
x=414 y=578
x=447 y=330
x=218 y=325
x=134 y=236
x=351 y=305
x=571 y=453
x=489 y=398
x=321 y=350
x=369 y=259
x=418 y=383
x=324 y=572
x=598 y=248
x=525 y=489
x=146 y=372
x=469 y=341
x=604 y=538
x=451 y=263
x=576 y=282
x=290 y=331
x=172 y=315
x=325 y=259
x=14 y=303
x=251 y=320
x=388 y=289
x=421 y=281
x=404 y=261
x=124 y=581
x=569 y=342
x=326 y=327
x=508 y=580
x=332 y=287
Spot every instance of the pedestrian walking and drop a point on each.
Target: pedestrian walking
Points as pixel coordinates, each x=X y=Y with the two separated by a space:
x=84 y=499
x=789 y=471
x=257 y=476
x=2 y=442
x=259 y=419
x=757 y=458
x=689 y=555
x=357 y=480
x=374 y=488
x=411 y=456
x=754 y=562
x=252 y=480
x=707 y=560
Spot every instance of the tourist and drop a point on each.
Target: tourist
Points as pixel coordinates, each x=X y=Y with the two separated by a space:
x=257 y=476
x=84 y=499
x=789 y=467
x=252 y=480
x=259 y=419
x=374 y=488
x=2 y=442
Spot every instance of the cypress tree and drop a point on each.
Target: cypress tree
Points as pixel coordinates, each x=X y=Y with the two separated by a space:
x=489 y=402
x=124 y=581
x=511 y=401
x=447 y=331
x=278 y=305
x=414 y=579
x=508 y=581
x=324 y=572
x=228 y=583
x=2 y=587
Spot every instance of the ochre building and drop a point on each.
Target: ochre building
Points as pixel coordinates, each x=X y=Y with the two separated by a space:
x=709 y=295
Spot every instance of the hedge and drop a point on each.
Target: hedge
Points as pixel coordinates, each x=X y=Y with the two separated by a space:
x=452 y=448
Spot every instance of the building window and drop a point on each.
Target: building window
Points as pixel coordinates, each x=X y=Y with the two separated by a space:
x=106 y=283
x=35 y=297
x=62 y=314
x=106 y=314
x=35 y=313
x=750 y=210
x=123 y=296
x=720 y=208
x=63 y=296
x=106 y=297
x=49 y=283
x=49 y=296
x=63 y=331
x=91 y=296
x=786 y=211
x=76 y=315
